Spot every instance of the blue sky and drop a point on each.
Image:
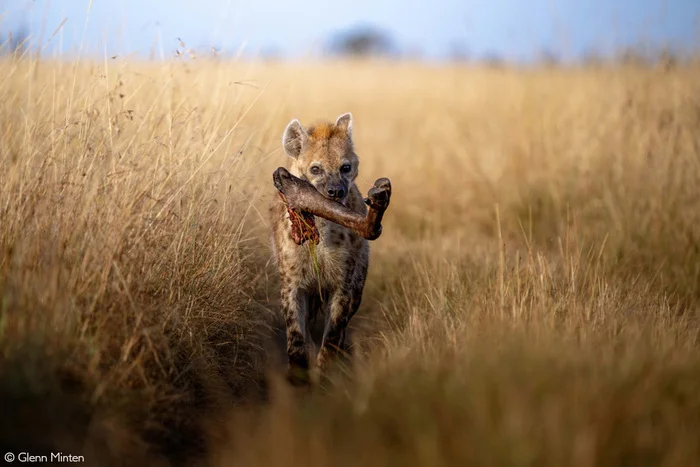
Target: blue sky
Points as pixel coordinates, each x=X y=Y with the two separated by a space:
x=509 y=28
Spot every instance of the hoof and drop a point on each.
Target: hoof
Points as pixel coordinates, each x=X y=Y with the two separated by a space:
x=379 y=195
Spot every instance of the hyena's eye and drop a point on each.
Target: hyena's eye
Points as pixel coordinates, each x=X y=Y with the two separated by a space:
x=345 y=168
x=315 y=170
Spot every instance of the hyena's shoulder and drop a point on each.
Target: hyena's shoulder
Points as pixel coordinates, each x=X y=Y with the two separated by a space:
x=278 y=217
x=277 y=212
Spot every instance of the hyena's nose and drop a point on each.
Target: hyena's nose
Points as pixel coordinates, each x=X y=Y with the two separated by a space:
x=336 y=193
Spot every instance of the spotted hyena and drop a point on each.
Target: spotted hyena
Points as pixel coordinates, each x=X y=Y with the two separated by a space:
x=324 y=156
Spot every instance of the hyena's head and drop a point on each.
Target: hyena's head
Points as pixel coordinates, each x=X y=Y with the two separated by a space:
x=323 y=155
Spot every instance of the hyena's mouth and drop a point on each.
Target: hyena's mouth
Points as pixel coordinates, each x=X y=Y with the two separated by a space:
x=342 y=200
x=334 y=196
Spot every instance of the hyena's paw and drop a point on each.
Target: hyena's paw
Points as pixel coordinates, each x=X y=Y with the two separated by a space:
x=379 y=195
x=331 y=355
x=323 y=359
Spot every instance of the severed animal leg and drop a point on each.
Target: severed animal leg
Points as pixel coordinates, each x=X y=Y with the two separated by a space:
x=301 y=195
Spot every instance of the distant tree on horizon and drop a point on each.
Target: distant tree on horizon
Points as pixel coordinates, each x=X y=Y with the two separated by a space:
x=363 y=41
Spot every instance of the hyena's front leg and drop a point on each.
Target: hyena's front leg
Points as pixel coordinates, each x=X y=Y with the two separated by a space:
x=336 y=326
x=354 y=306
x=294 y=309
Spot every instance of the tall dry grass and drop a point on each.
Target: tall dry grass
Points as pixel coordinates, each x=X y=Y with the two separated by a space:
x=532 y=301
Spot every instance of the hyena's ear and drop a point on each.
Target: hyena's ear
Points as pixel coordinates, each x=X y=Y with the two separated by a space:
x=345 y=122
x=295 y=135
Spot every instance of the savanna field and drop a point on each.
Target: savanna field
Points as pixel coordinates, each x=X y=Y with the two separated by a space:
x=534 y=299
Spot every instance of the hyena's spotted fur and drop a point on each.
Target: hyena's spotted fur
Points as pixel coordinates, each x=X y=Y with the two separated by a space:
x=323 y=155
